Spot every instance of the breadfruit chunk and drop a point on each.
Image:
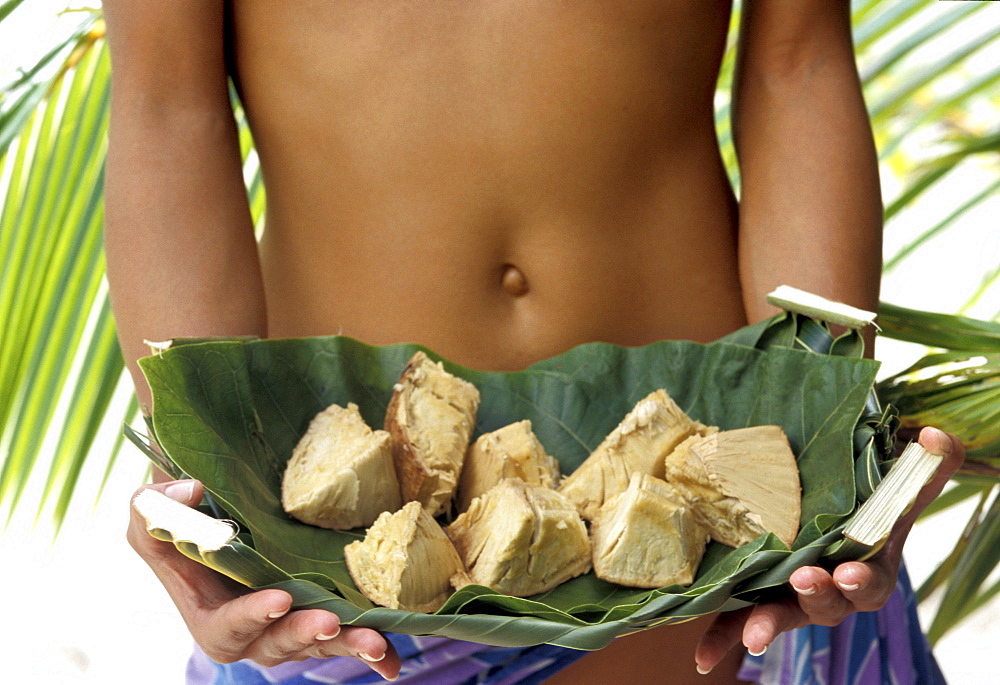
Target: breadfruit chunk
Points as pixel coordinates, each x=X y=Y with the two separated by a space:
x=638 y=445
x=521 y=539
x=740 y=483
x=647 y=537
x=341 y=473
x=509 y=452
x=430 y=417
x=406 y=561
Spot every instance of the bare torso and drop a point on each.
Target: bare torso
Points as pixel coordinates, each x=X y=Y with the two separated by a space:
x=499 y=182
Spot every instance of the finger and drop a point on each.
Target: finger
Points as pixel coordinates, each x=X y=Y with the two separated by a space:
x=317 y=633
x=945 y=445
x=767 y=621
x=297 y=636
x=187 y=492
x=940 y=443
x=192 y=586
x=867 y=585
x=226 y=632
x=819 y=597
x=372 y=648
x=723 y=634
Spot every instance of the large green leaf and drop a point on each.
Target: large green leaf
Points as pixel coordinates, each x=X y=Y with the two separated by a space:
x=229 y=412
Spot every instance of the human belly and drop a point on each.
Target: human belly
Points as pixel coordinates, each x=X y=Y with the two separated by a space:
x=493 y=287
x=496 y=251
x=497 y=182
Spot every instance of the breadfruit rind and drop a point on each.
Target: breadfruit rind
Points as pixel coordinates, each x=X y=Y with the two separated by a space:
x=341 y=473
x=521 y=539
x=638 y=445
x=509 y=452
x=430 y=417
x=406 y=561
x=646 y=537
x=740 y=484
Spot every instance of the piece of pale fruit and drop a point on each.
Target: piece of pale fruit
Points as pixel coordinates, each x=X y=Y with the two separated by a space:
x=341 y=473
x=638 y=444
x=740 y=483
x=430 y=417
x=647 y=537
x=521 y=539
x=406 y=561
x=509 y=452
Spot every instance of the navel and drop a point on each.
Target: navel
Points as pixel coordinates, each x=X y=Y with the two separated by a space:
x=513 y=281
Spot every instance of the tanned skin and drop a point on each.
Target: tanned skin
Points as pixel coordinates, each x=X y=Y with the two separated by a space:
x=499 y=181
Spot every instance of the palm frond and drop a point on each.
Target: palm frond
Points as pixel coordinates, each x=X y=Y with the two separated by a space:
x=52 y=275
x=970 y=571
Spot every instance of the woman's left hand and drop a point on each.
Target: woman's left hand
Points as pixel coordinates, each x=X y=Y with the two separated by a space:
x=826 y=598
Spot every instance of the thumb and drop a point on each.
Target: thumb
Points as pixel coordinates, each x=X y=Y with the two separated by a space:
x=187 y=491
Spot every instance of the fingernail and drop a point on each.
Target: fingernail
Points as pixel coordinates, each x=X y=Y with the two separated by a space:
x=276 y=614
x=368 y=657
x=324 y=636
x=753 y=653
x=702 y=671
x=810 y=590
x=181 y=491
x=944 y=442
x=849 y=587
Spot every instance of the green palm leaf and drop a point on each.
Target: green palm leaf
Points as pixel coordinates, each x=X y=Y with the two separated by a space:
x=53 y=271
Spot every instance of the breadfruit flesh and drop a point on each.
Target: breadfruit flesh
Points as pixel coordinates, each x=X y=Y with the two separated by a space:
x=430 y=417
x=341 y=473
x=521 y=539
x=740 y=484
x=406 y=561
x=638 y=444
x=647 y=537
x=509 y=452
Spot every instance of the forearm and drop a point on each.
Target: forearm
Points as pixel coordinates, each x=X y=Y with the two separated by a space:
x=181 y=255
x=810 y=206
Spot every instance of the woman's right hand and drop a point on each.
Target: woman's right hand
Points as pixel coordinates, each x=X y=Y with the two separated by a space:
x=230 y=622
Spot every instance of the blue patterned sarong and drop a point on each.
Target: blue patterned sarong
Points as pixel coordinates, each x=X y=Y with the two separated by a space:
x=426 y=661
x=884 y=647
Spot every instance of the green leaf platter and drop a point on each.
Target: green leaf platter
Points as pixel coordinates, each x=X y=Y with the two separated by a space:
x=229 y=412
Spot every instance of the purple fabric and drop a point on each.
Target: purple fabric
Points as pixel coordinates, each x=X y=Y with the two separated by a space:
x=426 y=661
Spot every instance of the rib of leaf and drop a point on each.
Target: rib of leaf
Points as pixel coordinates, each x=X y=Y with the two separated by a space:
x=956 y=102
x=958 y=333
x=988 y=281
x=30 y=92
x=8 y=7
x=949 y=498
x=941 y=166
x=895 y=99
x=100 y=372
x=915 y=39
x=974 y=566
x=33 y=243
x=888 y=17
x=130 y=415
x=905 y=251
x=944 y=570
